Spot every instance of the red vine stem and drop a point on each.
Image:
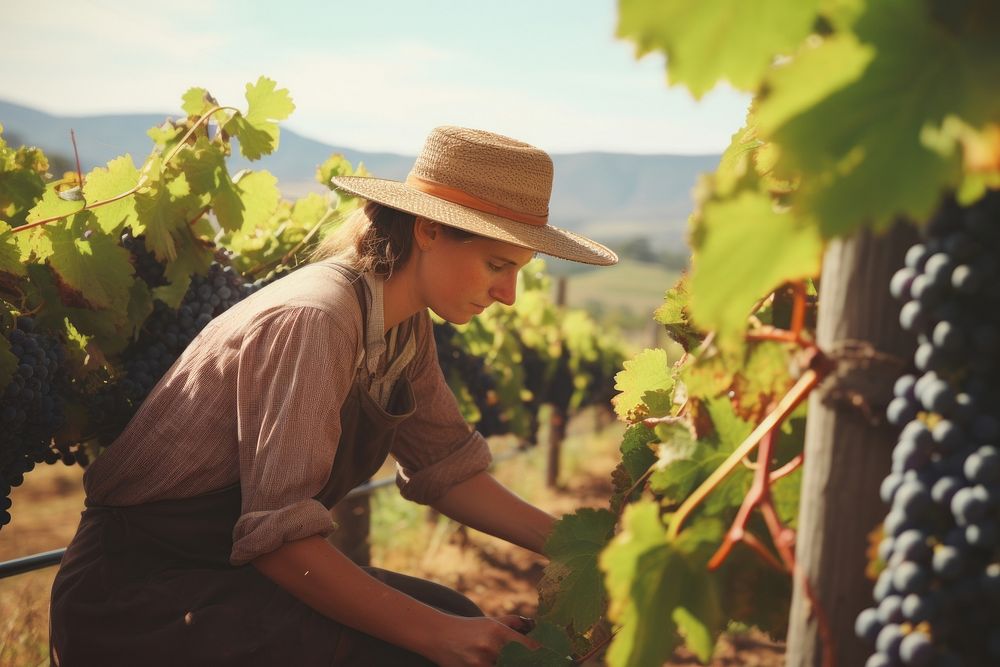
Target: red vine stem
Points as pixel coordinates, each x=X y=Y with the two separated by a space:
x=759 y=491
x=142 y=178
x=76 y=153
x=787 y=469
x=809 y=379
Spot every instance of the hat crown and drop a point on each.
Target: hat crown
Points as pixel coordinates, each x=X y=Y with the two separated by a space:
x=498 y=169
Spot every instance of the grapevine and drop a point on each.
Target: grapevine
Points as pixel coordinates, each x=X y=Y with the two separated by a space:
x=864 y=115
x=106 y=278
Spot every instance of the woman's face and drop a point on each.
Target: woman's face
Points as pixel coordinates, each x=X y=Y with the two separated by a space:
x=459 y=277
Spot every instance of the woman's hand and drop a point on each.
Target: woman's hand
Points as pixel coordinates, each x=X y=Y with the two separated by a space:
x=476 y=642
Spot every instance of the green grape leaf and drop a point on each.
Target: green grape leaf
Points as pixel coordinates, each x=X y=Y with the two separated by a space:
x=204 y=166
x=101 y=184
x=675 y=315
x=555 y=649
x=763 y=379
x=33 y=244
x=53 y=206
x=728 y=276
x=97 y=267
x=659 y=590
x=256 y=131
x=714 y=40
x=196 y=102
x=309 y=210
x=338 y=165
x=258 y=192
x=140 y=305
x=849 y=113
x=571 y=591
x=708 y=377
x=161 y=208
x=10 y=253
x=675 y=482
x=637 y=456
x=649 y=371
x=8 y=363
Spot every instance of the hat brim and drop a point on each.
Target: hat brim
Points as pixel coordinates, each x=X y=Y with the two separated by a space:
x=546 y=239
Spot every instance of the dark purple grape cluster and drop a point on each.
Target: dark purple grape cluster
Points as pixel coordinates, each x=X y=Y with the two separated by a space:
x=167 y=332
x=146 y=266
x=32 y=409
x=472 y=372
x=938 y=599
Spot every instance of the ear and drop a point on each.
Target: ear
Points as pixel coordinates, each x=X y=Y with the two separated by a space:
x=425 y=232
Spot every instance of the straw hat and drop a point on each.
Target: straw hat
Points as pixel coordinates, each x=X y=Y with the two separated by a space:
x=484 y=183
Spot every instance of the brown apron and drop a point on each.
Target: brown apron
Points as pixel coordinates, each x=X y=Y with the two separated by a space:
x=151 y=584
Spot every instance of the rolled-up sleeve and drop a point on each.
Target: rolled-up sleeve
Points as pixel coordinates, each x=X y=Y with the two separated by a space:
x=435 y=448
x=295 y=371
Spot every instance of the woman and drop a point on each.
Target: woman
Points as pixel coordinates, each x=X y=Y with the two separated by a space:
x=203 y=538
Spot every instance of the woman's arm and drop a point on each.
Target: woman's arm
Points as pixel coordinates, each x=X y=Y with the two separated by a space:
x=329 y=582
x=483 y=503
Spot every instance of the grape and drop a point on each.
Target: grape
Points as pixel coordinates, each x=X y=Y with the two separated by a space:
x=878 y=660
x=33 y=405
x=888 y=640
x=909 y=577
x=867 y=626
x=899 y=286
x=947 y=561
x=912 y=545
x=916 y=256
x=889 y=487
x=901 y=410
x=890 y=610
x=912 y=316
x=916 y=650
x=967 y=506
x=917 y=608
x=905 y=386
x=983 y=466
x=942 y=531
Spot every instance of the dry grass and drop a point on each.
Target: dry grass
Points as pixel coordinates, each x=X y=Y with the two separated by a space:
x=46 y=511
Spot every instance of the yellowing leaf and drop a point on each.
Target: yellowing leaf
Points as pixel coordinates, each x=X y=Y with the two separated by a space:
x=101 y=184
x=647 y=372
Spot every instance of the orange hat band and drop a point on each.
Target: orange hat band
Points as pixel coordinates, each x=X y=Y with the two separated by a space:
x=456 y=196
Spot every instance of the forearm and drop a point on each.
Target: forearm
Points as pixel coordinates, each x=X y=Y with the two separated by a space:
x=329 y=582
x=483 y=503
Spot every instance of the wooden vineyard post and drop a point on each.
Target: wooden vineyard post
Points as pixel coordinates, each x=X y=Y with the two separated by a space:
x=557 y=431
x=557 y=420
x=848 y=443
x=353 y=516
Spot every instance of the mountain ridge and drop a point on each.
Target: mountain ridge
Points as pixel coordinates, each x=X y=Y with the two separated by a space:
x=609 y=196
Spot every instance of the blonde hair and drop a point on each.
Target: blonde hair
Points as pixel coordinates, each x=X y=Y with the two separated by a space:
x=375 y=238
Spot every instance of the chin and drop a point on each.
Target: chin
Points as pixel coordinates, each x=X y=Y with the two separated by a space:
x=454 y=318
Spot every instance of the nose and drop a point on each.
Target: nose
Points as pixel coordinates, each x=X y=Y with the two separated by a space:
x=505 y=289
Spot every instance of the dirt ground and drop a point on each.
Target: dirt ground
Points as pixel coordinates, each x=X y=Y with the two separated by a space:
x=499 y=577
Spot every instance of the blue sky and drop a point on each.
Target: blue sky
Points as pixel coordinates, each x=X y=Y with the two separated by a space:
x=368 y=74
